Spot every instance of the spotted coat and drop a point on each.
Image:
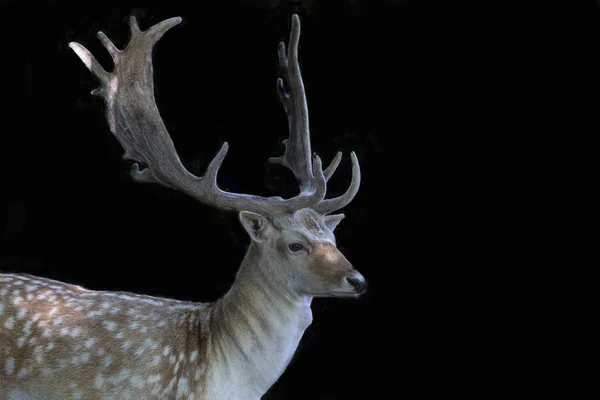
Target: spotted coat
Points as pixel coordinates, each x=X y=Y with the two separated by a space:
x=49 y=328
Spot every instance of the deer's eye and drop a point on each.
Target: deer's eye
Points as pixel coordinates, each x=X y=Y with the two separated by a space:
x=295 y=246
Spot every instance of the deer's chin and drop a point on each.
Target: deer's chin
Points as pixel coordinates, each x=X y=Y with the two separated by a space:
x=343 y=294
x=355 y=295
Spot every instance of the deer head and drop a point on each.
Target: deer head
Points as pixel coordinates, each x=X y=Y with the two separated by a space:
x=302 y=253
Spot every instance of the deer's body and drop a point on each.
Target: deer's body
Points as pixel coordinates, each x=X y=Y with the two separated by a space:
x=60 y=341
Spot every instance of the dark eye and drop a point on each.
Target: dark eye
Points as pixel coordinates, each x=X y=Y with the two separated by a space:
x=295 y=247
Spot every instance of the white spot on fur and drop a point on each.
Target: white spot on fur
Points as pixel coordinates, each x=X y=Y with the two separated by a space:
x=183 y=386
x=123 y=375
x=9 y=366
x=21 y=313
x=98 y=381
x=27 y=328
x=109 y=325
x=194 y=355
x=10 y=323
x=137 y=381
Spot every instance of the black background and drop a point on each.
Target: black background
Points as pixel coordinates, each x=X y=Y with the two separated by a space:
x=460 y=115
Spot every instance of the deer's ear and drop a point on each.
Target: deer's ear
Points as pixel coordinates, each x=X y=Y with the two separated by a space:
x=255 y=224
x=331 y=221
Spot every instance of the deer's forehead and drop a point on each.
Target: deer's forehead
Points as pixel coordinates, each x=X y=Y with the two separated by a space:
x=313 y=236
x=307 y=226
x=302 y=221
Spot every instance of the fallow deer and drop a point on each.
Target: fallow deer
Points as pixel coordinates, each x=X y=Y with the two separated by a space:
x=61 y=341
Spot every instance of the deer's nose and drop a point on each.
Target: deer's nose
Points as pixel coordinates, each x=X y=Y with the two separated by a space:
x=358 y=283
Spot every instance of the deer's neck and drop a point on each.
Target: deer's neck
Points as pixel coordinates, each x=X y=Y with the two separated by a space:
x=258 y=324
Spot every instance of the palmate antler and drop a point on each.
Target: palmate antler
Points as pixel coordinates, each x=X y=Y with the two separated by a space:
x=134 y=119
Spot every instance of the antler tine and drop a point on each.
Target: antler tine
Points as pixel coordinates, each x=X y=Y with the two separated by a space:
x=331 y=205
x=90 y=62
x=134 y=119
x=333 y=166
